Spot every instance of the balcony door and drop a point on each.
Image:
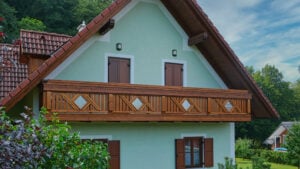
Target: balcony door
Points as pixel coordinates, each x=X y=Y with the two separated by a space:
x=173 y=74
x=118 y=70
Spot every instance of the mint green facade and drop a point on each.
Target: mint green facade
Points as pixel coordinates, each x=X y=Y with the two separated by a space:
x=152 y=145
x=148 y=35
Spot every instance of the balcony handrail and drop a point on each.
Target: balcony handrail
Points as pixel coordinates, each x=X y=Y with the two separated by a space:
x=140 y=89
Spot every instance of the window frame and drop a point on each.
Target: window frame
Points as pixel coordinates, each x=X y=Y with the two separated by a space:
x=201 y=151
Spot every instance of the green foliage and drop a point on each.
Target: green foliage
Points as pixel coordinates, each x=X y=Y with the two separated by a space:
x=9 y=23
x=243 y=148
x=259 y=163
x=274 y=156
x=293 y=144
x=69 y=151
x=87 y=9
x=31 y=24
x=228 y=164
x=270 y=80
x=59 y=16
x=35 y=144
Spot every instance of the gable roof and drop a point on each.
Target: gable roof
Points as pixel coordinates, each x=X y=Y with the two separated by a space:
x=41 y=43
x=13 y=71
x=283 y=126
x=194 y=22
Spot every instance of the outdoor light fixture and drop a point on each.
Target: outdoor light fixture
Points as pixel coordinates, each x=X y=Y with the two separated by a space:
x=119 y=46
x=174 y=52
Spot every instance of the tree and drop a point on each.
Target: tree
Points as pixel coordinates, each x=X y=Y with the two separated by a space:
x=296 y=88
x=31 y=24
x=282 y=97
x=87 y=9
x=293 y=143
x=59 y=16
x=8 y=23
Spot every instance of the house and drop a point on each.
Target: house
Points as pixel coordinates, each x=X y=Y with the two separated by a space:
x=155 y=79
x=278 y=137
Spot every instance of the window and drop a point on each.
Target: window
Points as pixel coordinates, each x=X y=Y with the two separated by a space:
x=194 y=152
x=173 y=74
x=118 y=70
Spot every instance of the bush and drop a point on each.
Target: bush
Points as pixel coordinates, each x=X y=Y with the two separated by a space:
x=34 y=144
x=259 y=163
x=243 y=148
x=20 y=145
x=275 y=156
x=228 y=164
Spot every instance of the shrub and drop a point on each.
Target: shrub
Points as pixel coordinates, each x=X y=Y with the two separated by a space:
x=34 y=144
x=275 y=156
x=20 y=146
x=259 y=163
x=228 y=164
x=243 y=148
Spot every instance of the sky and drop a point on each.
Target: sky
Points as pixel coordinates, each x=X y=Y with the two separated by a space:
x=260 y=31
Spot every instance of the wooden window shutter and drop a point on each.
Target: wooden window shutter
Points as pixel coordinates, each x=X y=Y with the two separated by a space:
x=208 y=152
x=124 y=65
x=173 y=74
x=114 y=151
x=118 y=70
x=180 y=157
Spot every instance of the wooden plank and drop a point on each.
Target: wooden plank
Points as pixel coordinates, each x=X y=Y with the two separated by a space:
x=149 y=117
x=111 y=103
x=154 y=90
x=198 y=38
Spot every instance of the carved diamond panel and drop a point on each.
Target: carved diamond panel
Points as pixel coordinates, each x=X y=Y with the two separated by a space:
x=137 y=103
x=228 y=106
x=80 y=102
x=186 y=105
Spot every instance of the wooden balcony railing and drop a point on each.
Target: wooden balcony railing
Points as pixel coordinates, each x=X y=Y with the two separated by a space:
x=94 y=101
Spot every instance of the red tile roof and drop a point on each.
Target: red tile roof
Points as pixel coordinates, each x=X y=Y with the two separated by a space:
x=61 y=54
x=194 y=21
x=13 y=72
x=41 y=43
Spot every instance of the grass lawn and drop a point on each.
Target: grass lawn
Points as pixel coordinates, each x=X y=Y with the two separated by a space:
x=244 y=163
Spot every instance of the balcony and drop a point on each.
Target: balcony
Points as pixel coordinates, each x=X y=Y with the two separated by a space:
x=95 y=101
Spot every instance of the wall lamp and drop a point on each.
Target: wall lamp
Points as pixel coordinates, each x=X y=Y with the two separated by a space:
x=119 y=46
x=174 y=52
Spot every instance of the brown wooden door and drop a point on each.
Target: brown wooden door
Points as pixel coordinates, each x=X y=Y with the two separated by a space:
x=118 y=70
x=173 y=74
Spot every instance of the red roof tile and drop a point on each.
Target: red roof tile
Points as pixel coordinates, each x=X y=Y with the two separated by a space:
x=13 y=72
x=41 y=43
